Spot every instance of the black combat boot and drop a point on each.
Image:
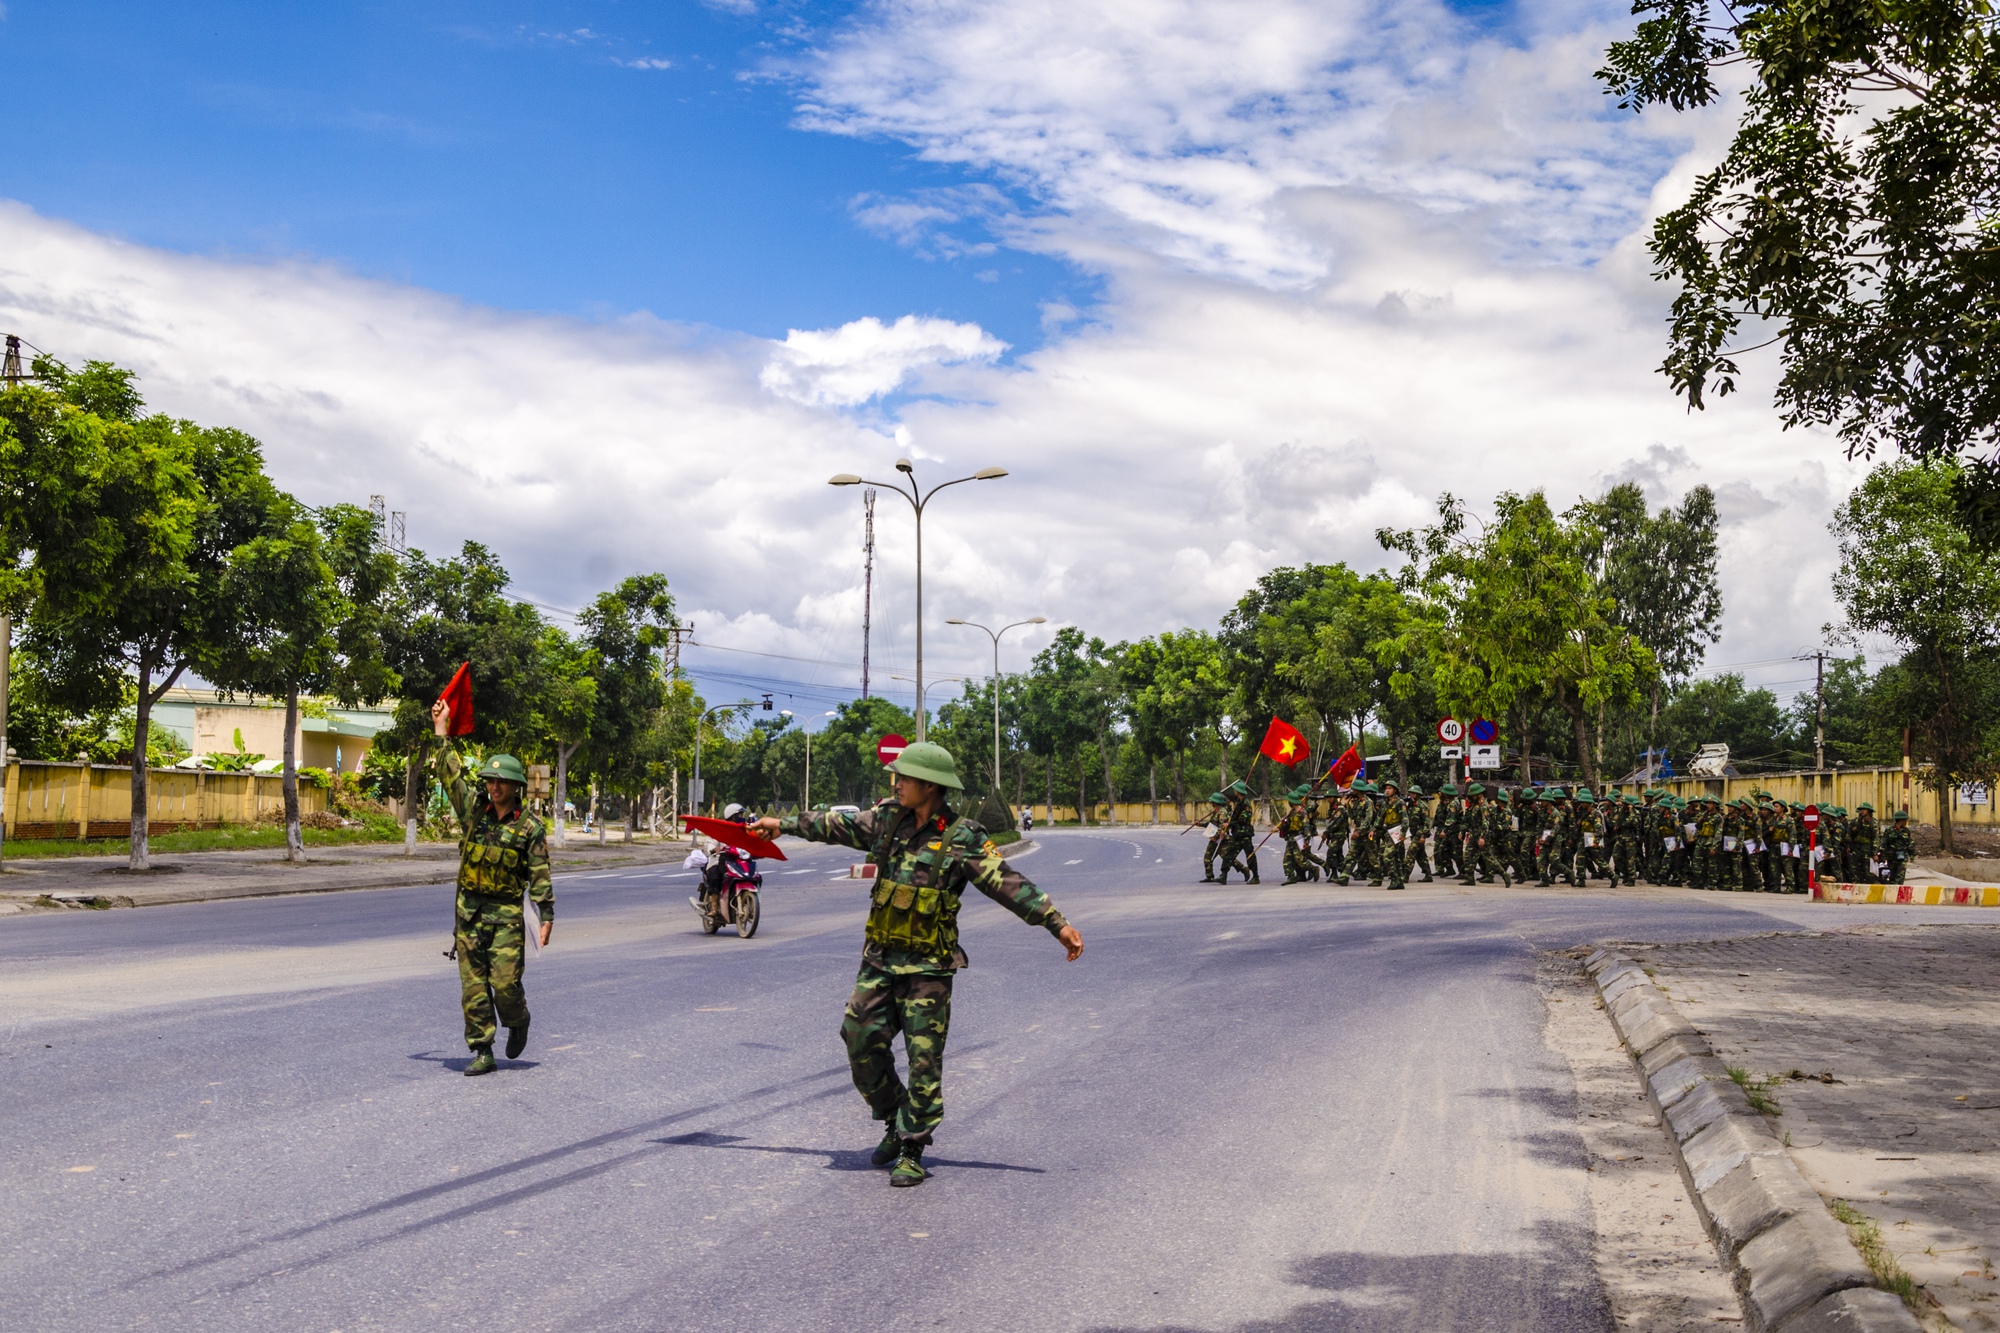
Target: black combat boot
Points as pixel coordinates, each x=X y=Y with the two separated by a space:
x=909 y=1168
x=888 y=1150
x=517 y=1040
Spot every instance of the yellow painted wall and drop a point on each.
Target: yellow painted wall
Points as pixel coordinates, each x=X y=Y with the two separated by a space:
x=65 y=800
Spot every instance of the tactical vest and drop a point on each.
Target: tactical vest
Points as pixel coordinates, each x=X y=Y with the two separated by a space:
x=922 y=918
x=493 y=857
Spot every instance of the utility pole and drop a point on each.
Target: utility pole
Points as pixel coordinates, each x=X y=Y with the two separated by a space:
x=1818 y=659
x=11 y=373
x=867 y=578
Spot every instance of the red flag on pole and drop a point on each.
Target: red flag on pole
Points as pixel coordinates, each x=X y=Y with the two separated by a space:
x=457 y=697
x=1283 y=743
x=1345 y=767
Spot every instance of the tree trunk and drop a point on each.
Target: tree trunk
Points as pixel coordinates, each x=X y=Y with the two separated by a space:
x=1223 y=766
x=1049 y=775
x=1402 y=761
x=631 y=817
x=563 y=752
x=1082 y=770
x=1180 y=789
x=141 y=733
x=1527 y=747
x=1153 y=786
x=1583 y=758
x=1110 y=789
x=594 y=821
x=295 y=842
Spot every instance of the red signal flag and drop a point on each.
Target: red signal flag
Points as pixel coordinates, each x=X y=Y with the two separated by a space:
x=457 y=696
x=1283 y=743
x=1345 y=767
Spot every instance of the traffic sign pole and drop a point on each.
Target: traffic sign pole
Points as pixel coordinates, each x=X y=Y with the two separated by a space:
x=1811 y=820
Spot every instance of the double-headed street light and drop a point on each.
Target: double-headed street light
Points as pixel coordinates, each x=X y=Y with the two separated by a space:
x=921 y=687
x=806 y=804
x=995 y=634
x=918 y=498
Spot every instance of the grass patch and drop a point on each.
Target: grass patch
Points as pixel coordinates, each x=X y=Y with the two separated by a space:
x=229 y=837
x=1004 y=837
x=1758 y=1090
x=1888 y=1273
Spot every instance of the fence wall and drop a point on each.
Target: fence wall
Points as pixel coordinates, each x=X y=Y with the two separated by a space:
x=46 y=800
x=1849 y=787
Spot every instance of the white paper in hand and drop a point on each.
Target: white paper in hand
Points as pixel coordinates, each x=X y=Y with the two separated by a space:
x=533 y=920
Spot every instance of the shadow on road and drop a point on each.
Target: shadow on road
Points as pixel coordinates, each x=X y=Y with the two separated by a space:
x=1550 y=1288
x=837 y=1159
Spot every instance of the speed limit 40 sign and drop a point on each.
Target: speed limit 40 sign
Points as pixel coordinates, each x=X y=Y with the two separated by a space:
x=1451 y=731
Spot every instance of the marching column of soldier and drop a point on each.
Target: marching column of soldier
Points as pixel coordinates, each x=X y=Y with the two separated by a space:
x=1382 y=834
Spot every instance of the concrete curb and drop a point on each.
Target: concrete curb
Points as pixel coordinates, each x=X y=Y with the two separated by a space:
x=1911 y=895
x=1792 y=1262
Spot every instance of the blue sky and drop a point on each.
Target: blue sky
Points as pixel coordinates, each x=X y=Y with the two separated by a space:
x=1269 y=275
x=525 y=156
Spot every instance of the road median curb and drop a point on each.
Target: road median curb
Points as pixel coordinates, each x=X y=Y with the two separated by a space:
x=1791 y=1260
x=1911 y=895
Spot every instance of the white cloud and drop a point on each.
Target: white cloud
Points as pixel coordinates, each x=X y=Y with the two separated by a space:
x=647 y=62
x=1325 y=233
x=1186 y=129
x=866 y=358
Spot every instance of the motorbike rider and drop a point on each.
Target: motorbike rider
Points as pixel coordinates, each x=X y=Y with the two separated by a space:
x=728 y=863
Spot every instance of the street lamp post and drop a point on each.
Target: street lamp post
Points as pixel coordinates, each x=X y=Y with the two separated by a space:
x=806 y=803
x=921 y=687
x=918 y=498
x=995 y=636
x=699 y=791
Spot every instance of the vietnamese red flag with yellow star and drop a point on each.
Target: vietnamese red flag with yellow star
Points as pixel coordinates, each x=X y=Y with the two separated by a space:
x=1283 y=743
x=1344 y=768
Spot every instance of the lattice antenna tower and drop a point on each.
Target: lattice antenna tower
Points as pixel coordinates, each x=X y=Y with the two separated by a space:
x=867 y=578
x=378 y=509
x=12 y=372
x=397 y=526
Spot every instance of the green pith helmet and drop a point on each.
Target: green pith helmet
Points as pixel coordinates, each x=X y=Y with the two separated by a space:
x=1583 y=794
x=1391 y=782
x=1416 y=789
x=1217 y=798
x=1865 y=805
x=929 y=762
x=1902 y=816
x=1239 y=788
x=1300 y=792
x=1630 y=799
x=1475 y=789
x=504 y=767
x=1449 y=789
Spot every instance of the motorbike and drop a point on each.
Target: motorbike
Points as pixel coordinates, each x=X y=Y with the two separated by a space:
x=729 y=893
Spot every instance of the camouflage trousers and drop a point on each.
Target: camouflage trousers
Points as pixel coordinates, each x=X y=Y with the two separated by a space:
x=490 y=938
x=1300 y=863
x=919 y=1007
x=1242 y=857
x=1208 y=857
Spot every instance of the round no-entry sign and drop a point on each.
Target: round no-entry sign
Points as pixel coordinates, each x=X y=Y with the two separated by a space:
x=1485 y=731
x=889 y=747
x=1451 y=731
x=1811 y=816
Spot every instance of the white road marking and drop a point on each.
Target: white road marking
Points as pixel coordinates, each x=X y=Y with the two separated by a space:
x=795 y=872
x=1077 y=862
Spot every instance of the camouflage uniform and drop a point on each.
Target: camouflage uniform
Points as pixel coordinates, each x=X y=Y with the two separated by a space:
x=912 y=948
x=1480 y=838
x=1445 y=824
x=1239 y=838
x=1625 y=840
x=499 y=860
x=1861 y=845
x=1897 y=848
x=1334 y=835
x=1363 y=815
x=1296 y=830
x=1419 y=823
x=1394 y=835
x=1216 y=824
x=1707 y=857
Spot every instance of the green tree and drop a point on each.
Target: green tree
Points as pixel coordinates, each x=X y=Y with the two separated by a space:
x=1723 y=710
x=131 y=520
x=625 y=629
x=1909 y=570
x=1659 y=570
x=1512 y=616
x=1853 y=219
x=445 y=612
x=1176 y=691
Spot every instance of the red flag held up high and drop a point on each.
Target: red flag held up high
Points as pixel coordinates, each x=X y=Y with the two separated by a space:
x=1283 y=743
x=457 y=696
x=1345 y=767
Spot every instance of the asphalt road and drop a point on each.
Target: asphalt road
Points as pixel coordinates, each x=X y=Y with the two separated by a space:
x=1244 y=1109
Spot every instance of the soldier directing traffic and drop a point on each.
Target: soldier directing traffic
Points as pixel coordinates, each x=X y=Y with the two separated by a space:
x=503 y=854
x=924 y=857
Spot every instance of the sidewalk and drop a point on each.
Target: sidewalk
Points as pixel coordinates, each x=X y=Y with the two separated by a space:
x=1875 y=1050
x=192 y=877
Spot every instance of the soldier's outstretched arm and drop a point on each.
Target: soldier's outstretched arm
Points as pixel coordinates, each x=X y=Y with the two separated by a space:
x=841 y=829
x=992 y=876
